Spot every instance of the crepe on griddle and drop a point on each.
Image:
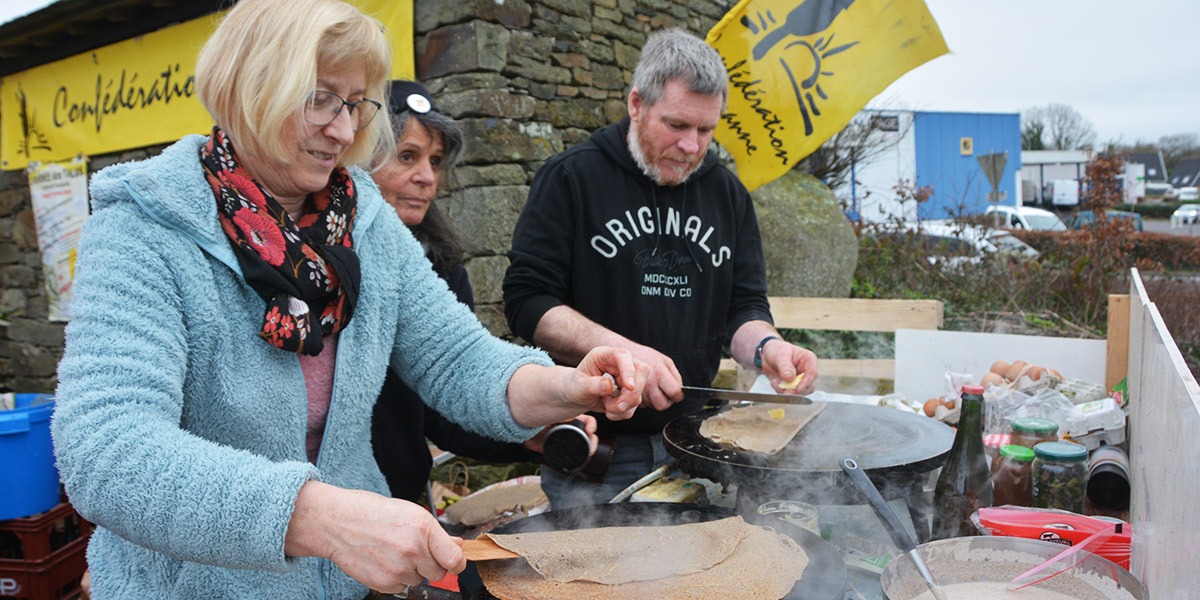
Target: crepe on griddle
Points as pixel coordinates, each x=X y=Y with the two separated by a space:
x=764 y=566
x=614 y=555
x=766 y=428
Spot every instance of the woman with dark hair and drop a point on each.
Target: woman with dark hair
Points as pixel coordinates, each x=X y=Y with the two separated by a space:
x=428 y=145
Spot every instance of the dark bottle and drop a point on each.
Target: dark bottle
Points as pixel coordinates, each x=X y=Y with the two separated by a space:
x=965 y=483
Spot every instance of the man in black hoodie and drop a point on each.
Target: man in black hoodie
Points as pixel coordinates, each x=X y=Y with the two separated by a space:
x=638 y=238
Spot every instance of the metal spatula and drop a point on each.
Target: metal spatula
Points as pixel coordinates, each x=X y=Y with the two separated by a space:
x=894 y=528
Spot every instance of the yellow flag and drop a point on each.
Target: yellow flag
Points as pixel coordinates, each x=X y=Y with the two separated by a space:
x=800 y=70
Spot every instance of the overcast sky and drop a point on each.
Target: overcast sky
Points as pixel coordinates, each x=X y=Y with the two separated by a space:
x=1130 y=68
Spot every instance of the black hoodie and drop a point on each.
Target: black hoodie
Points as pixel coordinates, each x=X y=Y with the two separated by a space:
x=678 y=268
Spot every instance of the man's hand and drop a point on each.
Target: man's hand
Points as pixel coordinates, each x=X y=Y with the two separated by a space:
x=664 y=384
x=783 y=361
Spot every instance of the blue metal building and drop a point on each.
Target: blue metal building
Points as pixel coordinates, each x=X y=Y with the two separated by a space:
x=936 y=149
x=947 y=149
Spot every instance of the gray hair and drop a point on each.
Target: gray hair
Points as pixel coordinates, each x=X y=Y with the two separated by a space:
x=676 y=54
x=436 y=122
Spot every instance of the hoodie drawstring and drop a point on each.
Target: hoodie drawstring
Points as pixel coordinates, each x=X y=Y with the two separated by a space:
x=683 y=212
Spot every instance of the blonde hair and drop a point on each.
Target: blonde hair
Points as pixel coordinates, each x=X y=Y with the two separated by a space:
x=256 y=71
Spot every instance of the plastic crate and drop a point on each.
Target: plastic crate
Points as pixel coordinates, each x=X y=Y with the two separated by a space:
x=43 y=556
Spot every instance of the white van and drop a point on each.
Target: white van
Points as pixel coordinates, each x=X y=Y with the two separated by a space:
x=1062 y=192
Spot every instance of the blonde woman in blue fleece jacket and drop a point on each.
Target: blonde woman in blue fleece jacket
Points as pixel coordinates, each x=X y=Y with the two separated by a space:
x=237 y=305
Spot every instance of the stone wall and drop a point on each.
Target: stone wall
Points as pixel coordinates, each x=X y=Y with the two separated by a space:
x=526 y=78
x=31 y=344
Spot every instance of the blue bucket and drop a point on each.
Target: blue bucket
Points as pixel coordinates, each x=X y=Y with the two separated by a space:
x=27 y=471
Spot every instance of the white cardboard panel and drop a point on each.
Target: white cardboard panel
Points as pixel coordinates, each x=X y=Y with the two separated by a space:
x=924 y=357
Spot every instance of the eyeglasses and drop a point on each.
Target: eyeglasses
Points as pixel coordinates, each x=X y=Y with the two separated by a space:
x=323 y=107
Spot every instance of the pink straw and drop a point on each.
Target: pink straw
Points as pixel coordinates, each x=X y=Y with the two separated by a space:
x=1099 y=537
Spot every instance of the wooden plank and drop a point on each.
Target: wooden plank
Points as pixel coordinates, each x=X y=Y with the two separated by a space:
x=1117 y=362
x=855 y=314
x=866 y=368
x=848 y=314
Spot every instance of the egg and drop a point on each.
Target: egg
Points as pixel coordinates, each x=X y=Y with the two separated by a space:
x=1000 y=367
x=1035 y=373
x=950 y=403
x=991 y=379
x=1014 y=370
x=930 y=406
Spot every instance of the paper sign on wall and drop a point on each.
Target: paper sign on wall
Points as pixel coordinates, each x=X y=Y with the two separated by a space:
x=60 y=206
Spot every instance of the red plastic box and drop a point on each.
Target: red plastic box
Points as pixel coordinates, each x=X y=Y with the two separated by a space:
x=43 y=555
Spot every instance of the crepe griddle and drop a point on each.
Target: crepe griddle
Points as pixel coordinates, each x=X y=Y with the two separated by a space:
x=885 y=442
x=825 y=576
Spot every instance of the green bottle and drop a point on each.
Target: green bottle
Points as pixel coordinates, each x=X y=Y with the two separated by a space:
x=965 y=484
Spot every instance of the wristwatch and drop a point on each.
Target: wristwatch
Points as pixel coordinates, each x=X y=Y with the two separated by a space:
x=758 y=350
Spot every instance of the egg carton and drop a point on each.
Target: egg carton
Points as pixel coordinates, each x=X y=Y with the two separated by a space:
x=1079 y=391
x=1101 y=437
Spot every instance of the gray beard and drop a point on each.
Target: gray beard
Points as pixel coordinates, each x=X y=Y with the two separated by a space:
x=639 y=156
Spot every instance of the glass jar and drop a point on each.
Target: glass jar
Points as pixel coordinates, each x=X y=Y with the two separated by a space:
x=1060 y=474
x=1031 y=431
x=1012 y=476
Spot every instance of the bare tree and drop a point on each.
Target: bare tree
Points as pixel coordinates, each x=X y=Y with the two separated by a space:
x=1177 y=147
x=871 y=132
x=1065 y=127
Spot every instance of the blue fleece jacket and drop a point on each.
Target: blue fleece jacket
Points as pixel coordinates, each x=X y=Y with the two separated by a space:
x=180 y=433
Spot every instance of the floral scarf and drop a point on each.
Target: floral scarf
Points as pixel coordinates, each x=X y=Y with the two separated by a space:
x=302 y=269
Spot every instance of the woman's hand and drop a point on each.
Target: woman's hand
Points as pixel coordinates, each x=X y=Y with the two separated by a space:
x=384 y=543
x=587 y=423
x=609 y=380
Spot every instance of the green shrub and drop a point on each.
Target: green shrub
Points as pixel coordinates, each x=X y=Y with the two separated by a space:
x=1070 y=281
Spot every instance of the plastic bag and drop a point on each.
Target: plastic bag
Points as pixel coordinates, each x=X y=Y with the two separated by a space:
x=951 y=394
x=1058 y=526
x=1002 y=405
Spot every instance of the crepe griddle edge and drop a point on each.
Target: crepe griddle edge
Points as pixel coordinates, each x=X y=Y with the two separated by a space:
x=825 y=576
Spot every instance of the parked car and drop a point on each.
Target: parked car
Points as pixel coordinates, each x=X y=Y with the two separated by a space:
x=1087 y=218
x=952 y=243
x=1026 y=217
x=1187 y=214
x=1184 y=194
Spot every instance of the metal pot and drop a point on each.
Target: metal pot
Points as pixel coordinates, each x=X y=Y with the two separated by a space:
x=824 y=578
x=1000 y=559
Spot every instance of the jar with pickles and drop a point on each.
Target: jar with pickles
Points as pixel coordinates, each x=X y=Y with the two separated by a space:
x=1031 y=431
x=1060 y=476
